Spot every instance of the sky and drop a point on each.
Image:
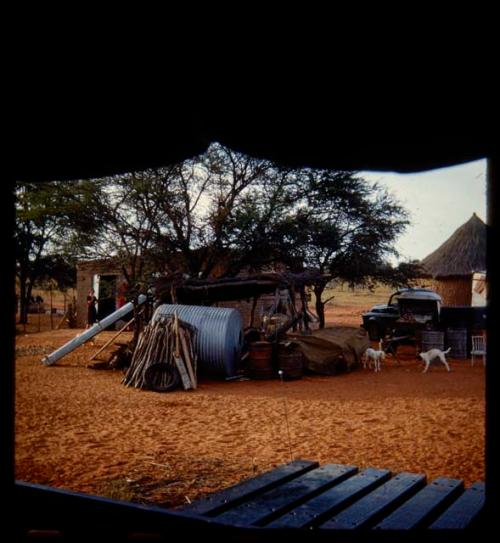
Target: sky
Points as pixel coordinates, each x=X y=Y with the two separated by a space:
x=438 y=201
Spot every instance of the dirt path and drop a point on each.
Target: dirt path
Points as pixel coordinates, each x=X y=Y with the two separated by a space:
x=83 y=430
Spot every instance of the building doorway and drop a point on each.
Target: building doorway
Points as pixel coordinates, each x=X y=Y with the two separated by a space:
x=106 y=296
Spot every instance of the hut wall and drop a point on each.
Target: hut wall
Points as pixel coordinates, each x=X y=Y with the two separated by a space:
x=479 y=289
x=85 y=272
x=454 y=290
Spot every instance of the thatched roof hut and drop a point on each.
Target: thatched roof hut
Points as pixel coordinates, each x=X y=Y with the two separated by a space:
x=453 y=264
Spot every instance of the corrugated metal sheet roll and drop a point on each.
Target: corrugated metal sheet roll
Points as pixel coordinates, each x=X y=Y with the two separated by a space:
x=218 y=338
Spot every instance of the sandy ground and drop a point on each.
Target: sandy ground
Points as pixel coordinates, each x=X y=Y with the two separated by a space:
x=81 y=429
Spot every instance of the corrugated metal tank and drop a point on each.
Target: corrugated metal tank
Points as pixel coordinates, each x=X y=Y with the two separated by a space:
x=219 y=335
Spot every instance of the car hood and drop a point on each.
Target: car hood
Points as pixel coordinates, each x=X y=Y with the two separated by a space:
x=379 y=307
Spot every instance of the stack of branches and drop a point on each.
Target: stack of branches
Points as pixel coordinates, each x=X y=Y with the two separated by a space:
x=164 y=357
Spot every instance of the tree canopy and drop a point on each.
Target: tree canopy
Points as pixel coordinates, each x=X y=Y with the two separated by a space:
x=216 y=215
x=49 y=218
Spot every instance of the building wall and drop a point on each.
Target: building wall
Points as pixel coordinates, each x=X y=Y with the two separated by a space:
x=479 y=289
x=453 y=290
x=85 y=272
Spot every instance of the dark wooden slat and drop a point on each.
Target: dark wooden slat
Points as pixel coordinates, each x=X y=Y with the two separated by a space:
x=269 y=505
x=424 y=506
x=463 y=511
x=237 y=494
x=372 y=507
x=327 y=503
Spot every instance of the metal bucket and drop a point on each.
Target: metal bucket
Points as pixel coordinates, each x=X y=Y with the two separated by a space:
x=260 y=360
x=457 y=340
x=290 y=362
x=432 y=340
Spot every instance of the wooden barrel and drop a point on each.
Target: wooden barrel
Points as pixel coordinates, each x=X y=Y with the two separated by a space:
x=260 y=360
x=456 y=338
x=432 y=340
x=290 y=361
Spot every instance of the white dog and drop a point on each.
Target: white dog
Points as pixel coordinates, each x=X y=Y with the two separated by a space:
x=372 y=355
x=434 y=353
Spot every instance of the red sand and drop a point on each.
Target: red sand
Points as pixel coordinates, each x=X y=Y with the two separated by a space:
x=81 y=429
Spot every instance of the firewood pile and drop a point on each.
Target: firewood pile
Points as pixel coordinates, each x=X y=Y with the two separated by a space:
x=164 y=357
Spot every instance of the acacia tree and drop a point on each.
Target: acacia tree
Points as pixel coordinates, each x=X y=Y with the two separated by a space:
x=129 y=220
x=352 y=227
x=333 y=222
x=243 y=212
x=49 y=218
x=183 y=218
x=153 y=221
x=198 y=210
x=225 y=207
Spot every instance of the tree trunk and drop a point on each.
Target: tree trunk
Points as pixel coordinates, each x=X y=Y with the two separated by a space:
x=25 y=288
x=51 y=317
x=252 y=313
x=294 y=307
x=305 y=314
x=22 y=300
x=320 y=306
x=138 y=322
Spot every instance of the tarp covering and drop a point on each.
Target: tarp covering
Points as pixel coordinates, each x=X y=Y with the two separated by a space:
x=333 y=350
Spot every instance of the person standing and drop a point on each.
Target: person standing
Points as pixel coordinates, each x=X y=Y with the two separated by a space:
x=121 y=295
x=91 y=308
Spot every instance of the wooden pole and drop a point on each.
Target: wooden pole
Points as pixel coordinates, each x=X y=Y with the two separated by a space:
x=113 y=338
x=62 y=320
x=186 y=381
x=303 y=311
x=51 y=317
x=173 y=294
x=252 y=313
x=187 y=357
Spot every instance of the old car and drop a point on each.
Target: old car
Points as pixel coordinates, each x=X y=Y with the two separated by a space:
x=407 y=311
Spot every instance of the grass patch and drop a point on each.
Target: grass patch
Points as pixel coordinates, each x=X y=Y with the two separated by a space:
x=358 y=296
x=118 y=489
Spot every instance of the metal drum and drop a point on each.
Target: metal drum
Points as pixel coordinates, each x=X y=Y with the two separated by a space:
x=290 y=361
x=457 y=340
x=219 y=335
x=432 y=340
x=260 y=360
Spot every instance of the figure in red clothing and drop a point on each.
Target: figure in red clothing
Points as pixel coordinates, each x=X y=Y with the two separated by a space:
x=91 y=308
x=120 y=296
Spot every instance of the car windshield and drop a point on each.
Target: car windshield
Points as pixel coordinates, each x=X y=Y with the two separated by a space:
x=393 y=300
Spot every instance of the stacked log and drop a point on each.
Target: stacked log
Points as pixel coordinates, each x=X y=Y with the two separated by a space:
x=164 y=357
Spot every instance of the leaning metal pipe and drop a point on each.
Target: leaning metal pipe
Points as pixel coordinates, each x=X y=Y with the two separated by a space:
x=97 y=328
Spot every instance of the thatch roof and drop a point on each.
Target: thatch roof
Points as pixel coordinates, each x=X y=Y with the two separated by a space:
x=462 y=254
